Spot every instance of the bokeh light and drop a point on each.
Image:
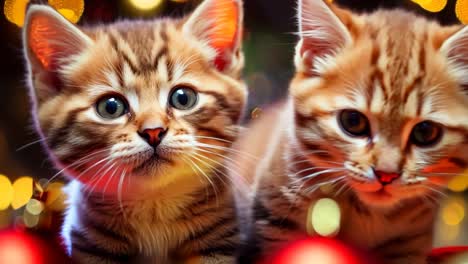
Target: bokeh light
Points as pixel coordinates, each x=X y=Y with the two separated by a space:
x=30 y=220
x=145 y=4
x=256 y=113
x=22 y=192
x=55 y=196
x=34 y=207
x=70 y=9
x=453 y=212
x=432 y=5
x=458 y=259
x=316 y=250
x=19 y=249
x=324 y=217
x=459 y=183
x=15 y=11
x=6 y=191
x=461 y=9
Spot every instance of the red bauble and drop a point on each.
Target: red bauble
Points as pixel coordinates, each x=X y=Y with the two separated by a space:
x=21 y=247
x=317 y=250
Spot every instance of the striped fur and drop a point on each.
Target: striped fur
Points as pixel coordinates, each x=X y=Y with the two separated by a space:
x=396 y=68
x=130 y=202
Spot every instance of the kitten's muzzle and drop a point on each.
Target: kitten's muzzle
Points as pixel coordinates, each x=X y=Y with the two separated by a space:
x=386 y=177
x=153 y=136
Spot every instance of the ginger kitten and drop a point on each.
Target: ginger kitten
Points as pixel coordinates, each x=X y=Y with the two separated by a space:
x=378 y=110
x=140 y=115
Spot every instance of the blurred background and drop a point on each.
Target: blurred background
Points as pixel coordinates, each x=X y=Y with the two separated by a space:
x=28 y=201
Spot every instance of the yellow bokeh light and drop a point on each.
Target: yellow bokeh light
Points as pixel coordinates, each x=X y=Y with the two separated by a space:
x=23 y=191
x=145 y=4
x=55 y=196
x=30 y=220
x=461 y=9
x=459 y=183
x=460 y=258
x=15 y=11
x=453 y=212
x=6 y=191
x=70 y=9
x=69 y=14
x=34 y=207
x=432 y=5
x=324 y=218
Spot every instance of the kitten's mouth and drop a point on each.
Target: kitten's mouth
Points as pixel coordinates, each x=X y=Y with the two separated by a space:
x=152 y=161
x=373 y=191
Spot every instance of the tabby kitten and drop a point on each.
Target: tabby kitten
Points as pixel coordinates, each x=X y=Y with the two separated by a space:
x=378 y=110
x=139 y=115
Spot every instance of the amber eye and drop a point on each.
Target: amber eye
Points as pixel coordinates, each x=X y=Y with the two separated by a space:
x=426 y=133
x=354 y=123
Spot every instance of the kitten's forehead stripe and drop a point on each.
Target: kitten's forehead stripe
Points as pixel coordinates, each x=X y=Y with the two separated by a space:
x=116 y=42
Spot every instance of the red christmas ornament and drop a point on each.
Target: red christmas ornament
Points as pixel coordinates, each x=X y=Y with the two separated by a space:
x=317 y=250
x=19 y=247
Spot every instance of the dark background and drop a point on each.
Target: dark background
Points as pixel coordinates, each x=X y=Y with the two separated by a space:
x=269 y=45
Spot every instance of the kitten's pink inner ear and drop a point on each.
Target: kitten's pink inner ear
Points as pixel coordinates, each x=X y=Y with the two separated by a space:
x=217 y=23
x=322 y=33
x=40 y=35
x=224 y=35
x=226 y=15
x=51 y=38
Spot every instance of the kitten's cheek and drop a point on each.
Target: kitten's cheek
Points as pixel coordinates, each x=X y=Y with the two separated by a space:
x=440 y=180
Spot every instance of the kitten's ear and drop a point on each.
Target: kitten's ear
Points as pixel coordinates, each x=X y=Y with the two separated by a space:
x=50 y=43
x=322 y=34
x=218 y=23
x=456 y=49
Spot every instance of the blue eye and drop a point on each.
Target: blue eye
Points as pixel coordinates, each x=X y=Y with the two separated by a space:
x=111 y=107
x=183 y=98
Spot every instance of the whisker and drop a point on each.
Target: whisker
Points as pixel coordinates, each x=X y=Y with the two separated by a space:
x=318 y=168
x=344 y=187
x=206 y=177
x=209 y=165
x=215 y=138
x=313 y=175
x=31 y=143
x=195 y=171
x=92 y=166
x=222 y=156
x=119 y=191
x=109 y=180
x=78 y=162
x=441 y=174
x=316 y=186
x=435 y=190
x=219 y=171
x=97 y=177
x=229 y=150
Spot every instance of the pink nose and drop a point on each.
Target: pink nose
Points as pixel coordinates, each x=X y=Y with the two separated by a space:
x=386 y=177
x=153 y=135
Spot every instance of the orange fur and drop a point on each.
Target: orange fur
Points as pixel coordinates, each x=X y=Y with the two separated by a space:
x=397 y=70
